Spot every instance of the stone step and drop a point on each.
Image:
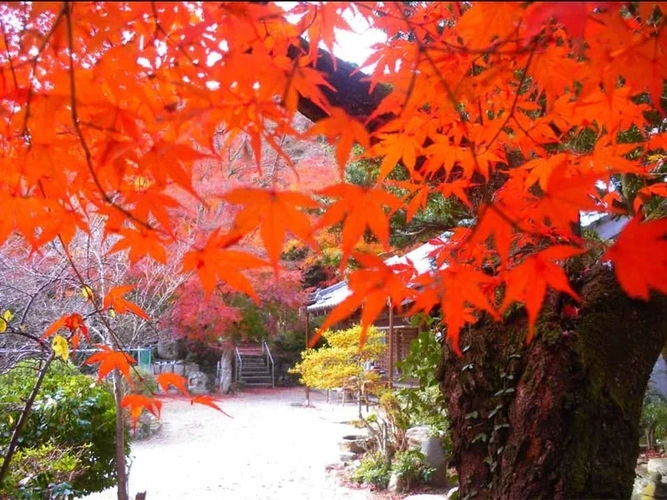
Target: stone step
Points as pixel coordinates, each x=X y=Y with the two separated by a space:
x=257 y=377
x=251 y=352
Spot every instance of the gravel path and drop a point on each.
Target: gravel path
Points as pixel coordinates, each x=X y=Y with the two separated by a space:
x=269 y=450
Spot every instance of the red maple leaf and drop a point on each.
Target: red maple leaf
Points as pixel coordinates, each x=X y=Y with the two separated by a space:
x=109 y=360
x=640 y=257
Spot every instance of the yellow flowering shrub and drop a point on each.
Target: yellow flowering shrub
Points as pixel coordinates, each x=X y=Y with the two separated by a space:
x=332 y=365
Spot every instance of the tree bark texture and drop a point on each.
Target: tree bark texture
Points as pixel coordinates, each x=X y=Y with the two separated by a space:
x=558 y=418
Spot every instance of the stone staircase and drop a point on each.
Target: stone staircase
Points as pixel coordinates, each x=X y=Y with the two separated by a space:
x=254 y=365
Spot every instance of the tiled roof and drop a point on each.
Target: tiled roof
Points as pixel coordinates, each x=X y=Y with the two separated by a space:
x=606 y=226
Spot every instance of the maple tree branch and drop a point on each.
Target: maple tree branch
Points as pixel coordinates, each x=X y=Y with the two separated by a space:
x=448 y=46
x=510 y=114
x=159 y=28
x=34 y=67
x=16 y=433
x=73 y=105
x=115 y=339
x=14 y=331
x=34 y=295
x=9 y=58
x=352 y=94
x=77 y=125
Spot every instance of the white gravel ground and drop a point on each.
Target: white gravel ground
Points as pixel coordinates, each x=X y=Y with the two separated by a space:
x=269 y=450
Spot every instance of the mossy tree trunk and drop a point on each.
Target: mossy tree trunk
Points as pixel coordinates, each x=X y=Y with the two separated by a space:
x=558 y=418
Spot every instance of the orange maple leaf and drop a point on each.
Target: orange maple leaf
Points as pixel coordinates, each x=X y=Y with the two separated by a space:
x=465 y=287
x=140 y=242
x=208 y=401
x=528 y=281
x=276 y=214
x=156 y=203
x=346 y=130
x=73 y=322
x=137 y=403
x=493 y=224
x=164 y=380
x=640 y=257
x=114 y=300
x=373 y=287
x=568 y=191
x=360 y=208
x=541 y=168
x=167 y=159
x=418 y=195
x=321 y=20
x=487 y=22
x=109 y=360
x=573 y=16
x=456 y=188
x=214 y=261
x=306 y=83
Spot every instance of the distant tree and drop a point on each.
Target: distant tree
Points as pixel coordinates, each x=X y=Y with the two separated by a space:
x=343 y=363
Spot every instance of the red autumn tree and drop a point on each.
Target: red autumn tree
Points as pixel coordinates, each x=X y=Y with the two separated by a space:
x=303 y=163
x=522 y=115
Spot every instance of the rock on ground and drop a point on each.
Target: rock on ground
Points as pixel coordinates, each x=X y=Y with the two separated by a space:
x=658 y=465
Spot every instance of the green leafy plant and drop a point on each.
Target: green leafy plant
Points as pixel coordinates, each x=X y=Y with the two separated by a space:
x=72 y=412
x=374 y=470
x=45 y=471
x=400 y=409
x=654 y=420
x=424 y=404
x=386 y=427
x=411 y=468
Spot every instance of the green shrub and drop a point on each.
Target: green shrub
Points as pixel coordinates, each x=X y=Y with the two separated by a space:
x=424 y=404
x=72 y=412
x=373 y=470
x=654 y=420
x=410 y=467
x=143 y=382
x=42 y=472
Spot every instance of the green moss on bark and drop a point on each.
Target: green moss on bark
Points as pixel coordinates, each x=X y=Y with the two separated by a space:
x=576 y=399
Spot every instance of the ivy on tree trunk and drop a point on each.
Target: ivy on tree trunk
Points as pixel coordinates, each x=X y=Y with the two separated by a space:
x=558 y=418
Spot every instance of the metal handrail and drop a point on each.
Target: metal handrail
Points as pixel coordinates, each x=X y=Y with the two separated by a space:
x=269 y=357
x=239 y=364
